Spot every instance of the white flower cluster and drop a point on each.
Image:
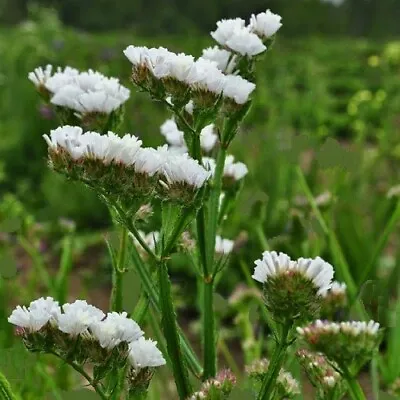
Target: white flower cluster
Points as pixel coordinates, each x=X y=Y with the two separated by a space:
x=83 y=92
x=272 y=264
x=352 y=328
x=175 y=137
x=233 y=170
x=37 y=315
x=243 y=39
x=127 y=151
x=82 y=319
x=198 y=75
x=223 y=246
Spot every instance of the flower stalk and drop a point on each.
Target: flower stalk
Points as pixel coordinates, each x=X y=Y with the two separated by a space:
x=118 y=272
x=276 y=363
x=171 y=333
x=355 y=391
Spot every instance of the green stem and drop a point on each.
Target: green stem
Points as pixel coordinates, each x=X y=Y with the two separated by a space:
x=171 y=333
x=214 y=206
x=118 y=272
x=147 y=282
x=6 y=392
x=268 y=385
x=355 y=391
x=81 y=371
x=210 y=355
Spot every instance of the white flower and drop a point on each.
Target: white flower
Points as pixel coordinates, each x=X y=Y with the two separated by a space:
x=265 y=24
x=47 y=305
x=78 y=317
x=206 y=76
x=226 y=28
x=61 y=78
x=149 y=161
x=238 y=88
x=272 y=264
x=234 y=170
x=183 y=169
x=116 y=328
x=172 y=134
x=245 y=43
x=40 y=76
x=208 y=137
x=85 y=96
x=226 y=61
x=146 y=57
x=144 y=353
x=177 y=66
x=223 y=246
x=38 y=314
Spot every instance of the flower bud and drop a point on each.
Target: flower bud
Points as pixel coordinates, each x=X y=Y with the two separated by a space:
x=286 y=385
x=322 y=374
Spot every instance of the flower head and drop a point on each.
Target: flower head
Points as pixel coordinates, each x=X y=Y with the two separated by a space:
x=114 y=329
x=82 y=92
x=37 y=315
x=322 y=373
x=78 y=317
x=350 y=343
x=226 y=28
x=144 y=353
x=245 y=43
x=218 y=387
x=293 y=289
x=265 y=24
x=238 y=89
